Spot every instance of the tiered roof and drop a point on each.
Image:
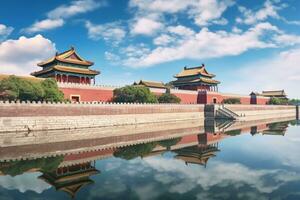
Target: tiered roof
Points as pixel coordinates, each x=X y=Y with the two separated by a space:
x=78 y=64
x=193 y=72
x=69 y=56
x=195 y=75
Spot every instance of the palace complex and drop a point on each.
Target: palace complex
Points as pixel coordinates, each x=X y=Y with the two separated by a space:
x=192 y=85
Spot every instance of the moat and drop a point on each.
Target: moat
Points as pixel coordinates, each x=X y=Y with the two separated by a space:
x=253 y=160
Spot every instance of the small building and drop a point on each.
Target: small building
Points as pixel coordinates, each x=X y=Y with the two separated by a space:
x=151 y=84
x=67 y=67
x=274 y=93
x=196 y=78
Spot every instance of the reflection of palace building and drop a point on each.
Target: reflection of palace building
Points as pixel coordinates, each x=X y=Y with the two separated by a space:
x=71 y=179
x=276 y=129
x=199 y=154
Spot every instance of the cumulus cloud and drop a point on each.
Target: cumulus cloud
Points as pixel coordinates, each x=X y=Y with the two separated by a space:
x=146 y=26
x=269 y=10
x=278 y=72
x=208 y=44
x=163 y=39
x=21 y=56
x=220 y=174
x=56 y=18
x=111 y=32
x=203 y=12
x=5 y=31
x=74 y=8
x=45 y=24
x=24 y=182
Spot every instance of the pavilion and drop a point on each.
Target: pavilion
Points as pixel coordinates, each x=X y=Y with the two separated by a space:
x=67 y=67
x=196 y=78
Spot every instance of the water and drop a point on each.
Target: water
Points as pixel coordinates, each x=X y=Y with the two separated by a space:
x=251 y=162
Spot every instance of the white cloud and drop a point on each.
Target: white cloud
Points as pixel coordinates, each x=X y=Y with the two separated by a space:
x=21 y=56
x=204 y=12
x=269 y=10
x=24 y=182
x=45 y=24
x=181 y=30
x=75 y=7
x=279 y=72
x=287 y=39
x=208 y=44
x=163 y=40
x=5 y=31
x=56 y=18
x=220 y=174
x=111 y=32
x=146 y=26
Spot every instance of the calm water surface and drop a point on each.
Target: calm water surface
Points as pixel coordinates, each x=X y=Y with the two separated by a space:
x=258 y=162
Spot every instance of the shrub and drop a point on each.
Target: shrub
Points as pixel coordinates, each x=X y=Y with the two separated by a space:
x=168 y=98
x=134 y=94
x=232 y=101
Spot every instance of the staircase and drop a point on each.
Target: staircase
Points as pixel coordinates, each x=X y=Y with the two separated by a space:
x=225 y=113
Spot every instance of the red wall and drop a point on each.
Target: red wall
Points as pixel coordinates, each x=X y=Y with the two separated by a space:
x=104 y=95
x=208 y=98
x=202 y=97
x=187 y=98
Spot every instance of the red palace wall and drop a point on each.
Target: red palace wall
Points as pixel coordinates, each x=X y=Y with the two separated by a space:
x=208 y=97
x=105 y=94
x=187 y=98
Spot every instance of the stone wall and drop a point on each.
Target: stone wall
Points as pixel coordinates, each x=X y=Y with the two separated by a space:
x=26 y=117
x=254 y=112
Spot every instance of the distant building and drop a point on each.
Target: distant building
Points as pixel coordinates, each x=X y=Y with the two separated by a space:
x=151 y=84
x=274 y=93
x=196 y=78
x=67 y=67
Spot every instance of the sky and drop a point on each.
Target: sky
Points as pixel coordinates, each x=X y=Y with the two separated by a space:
x=249 y=45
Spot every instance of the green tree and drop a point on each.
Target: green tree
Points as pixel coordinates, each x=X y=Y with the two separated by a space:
x=232 y=101
x=15 y=88
x=15 y=168
x=30 y=90
x=134 y=94
x=168 y=98
x=9 y=88
x=135 y=151
x=52 y=92
x=278 y=101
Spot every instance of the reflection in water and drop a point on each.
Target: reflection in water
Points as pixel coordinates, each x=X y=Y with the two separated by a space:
x=152 y=168
x=71 y=178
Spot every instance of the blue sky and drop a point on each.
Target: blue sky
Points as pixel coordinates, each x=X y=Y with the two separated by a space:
x=250 y=45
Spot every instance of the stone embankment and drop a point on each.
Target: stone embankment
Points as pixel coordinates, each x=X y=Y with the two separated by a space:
x=27 y=117
x=37 y=116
